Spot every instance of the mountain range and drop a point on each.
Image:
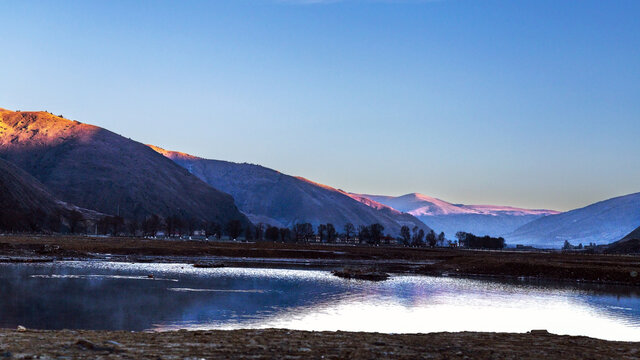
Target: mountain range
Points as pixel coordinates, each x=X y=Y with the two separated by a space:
x=61 y=168
x=97 y=169
x=450 y=218
x=601 y=223
x=271 y=197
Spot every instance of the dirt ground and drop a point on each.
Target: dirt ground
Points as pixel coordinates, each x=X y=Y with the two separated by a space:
x=285 y=344
x=547 y=265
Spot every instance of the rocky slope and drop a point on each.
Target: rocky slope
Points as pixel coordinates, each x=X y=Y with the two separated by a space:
x=268 y=196
x=98 y=169
x=601 y=223
x=451 y=218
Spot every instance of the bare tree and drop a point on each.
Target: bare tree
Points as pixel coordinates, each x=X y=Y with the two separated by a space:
x=418 y=237
x=322 y=229
x=151 y=225
x=285 y=234
x=234 y=229
x=259 y=230
x=405 y=233
x=75 y=218
x=117 y=225
x=349 y=230
x=376 y=232
x=213 y=229
x=133 y=226
x=297 y=231
x=248 y=233
x=302 y=232
x=272 y=233
x=308 y=231
x=331 y=233
x=364 y=234
x=431 y=238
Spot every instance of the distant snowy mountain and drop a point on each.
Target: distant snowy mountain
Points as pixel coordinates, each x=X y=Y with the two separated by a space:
x=268 y=196
x=451 y=218
x=602 y=223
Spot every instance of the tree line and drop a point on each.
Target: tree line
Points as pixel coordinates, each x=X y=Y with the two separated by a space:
x=305 y=233
x=176 y=226
x=16 y=221
x=479 y=242
x=417 y=237
x=153 y=225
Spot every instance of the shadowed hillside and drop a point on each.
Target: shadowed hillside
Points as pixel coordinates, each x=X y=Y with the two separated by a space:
x=269 y=196
x=629 y=244
x=97 y=169
x=25 y=205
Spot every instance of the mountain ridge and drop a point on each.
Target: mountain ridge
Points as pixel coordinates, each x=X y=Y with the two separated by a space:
x=267 y=195
x=450 y=218
x=97 y=169
x=601 y=222
x=447 y=208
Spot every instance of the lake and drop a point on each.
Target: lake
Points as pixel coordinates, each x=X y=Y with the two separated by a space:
x=122 y=296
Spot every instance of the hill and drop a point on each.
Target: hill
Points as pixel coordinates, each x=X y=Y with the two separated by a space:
x=25 y=205
x=601 y=223
x=451 y=218
x=268 y=196
x=97 y=169
x=629 y=244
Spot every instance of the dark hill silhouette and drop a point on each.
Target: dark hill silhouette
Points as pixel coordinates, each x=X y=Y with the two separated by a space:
x=629 y=244
x=25 y=205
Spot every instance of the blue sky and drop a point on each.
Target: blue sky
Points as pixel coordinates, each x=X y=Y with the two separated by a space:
x=527 y=103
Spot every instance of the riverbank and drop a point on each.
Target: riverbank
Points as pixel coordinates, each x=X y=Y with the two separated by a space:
x=541 y=265
x=271 y=344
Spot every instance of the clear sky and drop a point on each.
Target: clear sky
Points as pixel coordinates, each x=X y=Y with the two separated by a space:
x=528 y=103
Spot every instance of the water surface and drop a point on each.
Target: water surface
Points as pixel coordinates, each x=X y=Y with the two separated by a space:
x=122 y=296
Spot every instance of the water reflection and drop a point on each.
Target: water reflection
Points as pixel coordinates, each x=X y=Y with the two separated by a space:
x=104 y=295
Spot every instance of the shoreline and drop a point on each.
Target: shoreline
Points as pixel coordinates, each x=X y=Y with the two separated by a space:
x=295 y=344
x=258 y=263
x=292 y=344
x=507 y=265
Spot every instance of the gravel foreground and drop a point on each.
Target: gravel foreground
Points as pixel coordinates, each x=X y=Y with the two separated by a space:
x=287 y=344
